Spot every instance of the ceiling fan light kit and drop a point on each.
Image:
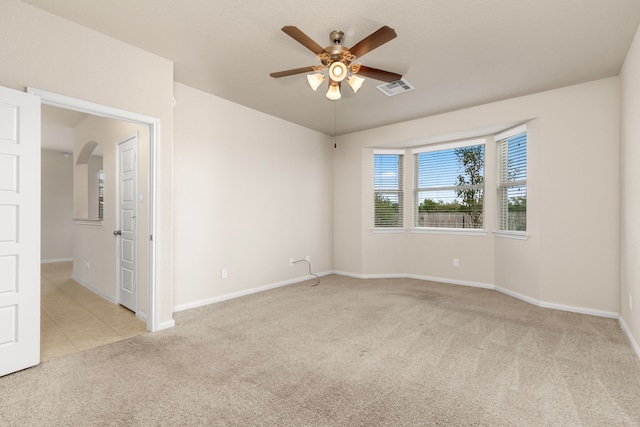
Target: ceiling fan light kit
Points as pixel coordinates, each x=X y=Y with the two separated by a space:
x=334 y=91
x=355 y=82
x=337 y=71
x=337 y=59
x=315 y=80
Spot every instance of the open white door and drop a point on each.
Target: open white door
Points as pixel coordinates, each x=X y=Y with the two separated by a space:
x=19 y=230
x=127 y=257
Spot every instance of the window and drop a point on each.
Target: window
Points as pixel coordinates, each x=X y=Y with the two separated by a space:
x=388 y=200
x=512 y=180
x=100 y=194
x=449 y=185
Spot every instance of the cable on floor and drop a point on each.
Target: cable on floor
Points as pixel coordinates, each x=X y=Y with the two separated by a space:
x=310 y=273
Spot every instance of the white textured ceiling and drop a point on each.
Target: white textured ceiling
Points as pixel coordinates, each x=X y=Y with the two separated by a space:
x=457 y=53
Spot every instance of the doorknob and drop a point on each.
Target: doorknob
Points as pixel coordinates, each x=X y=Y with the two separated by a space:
x=117 y=232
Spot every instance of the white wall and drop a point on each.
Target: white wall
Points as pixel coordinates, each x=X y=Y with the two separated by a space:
x=47 y=52
x=94 y=244
x=251 y=191
x=629 y=192
x=57 y=207
x=571 y=256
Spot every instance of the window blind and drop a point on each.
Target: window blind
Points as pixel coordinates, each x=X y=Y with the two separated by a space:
x=449 y=187
x=512 y=188
x=388 y=196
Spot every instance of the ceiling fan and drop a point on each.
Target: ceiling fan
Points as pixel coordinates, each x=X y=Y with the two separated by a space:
x=339 y=60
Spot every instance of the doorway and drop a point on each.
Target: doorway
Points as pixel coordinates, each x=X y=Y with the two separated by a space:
x=79 y=303
x=152 y=125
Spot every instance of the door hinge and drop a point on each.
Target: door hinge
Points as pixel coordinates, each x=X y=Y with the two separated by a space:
x=151 y=237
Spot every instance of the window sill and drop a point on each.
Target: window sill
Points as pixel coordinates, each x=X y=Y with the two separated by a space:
x=450 y=231
x=94 y=222
x=389 y=230
x=518 y=235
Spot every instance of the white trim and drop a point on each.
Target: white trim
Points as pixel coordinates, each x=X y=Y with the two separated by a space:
x=560 y=307
x=511 y=235
x=380 y=276
x=389 y=152
x=69 y=103
x=51 y=261
x=166 y=325
x=91 y=222
x=452 y=281
x=246 y=292
x=525 y=298
x=632 y=340
x=451 y=231
x=94 y=290
x=449 y=145
x=510 y=132
x=356 y=276
x=388 y=230
x=417 y=277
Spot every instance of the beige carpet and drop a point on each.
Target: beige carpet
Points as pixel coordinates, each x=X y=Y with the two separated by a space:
x=347 y=352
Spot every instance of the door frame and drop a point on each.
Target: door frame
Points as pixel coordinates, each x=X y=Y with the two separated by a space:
x=153 y=124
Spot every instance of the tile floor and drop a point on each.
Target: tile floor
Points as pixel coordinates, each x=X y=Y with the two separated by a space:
x=74 y=319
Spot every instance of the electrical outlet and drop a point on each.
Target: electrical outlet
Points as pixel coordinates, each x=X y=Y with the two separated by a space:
x=224 y=273
x=456 y=262
x=308 y=258
x=630 y=303
x=290 y=262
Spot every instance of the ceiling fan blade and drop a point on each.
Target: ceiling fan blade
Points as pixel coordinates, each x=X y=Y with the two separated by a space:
x=292 y=72
x=374 y=73
x=303 y=39
x=373 y=41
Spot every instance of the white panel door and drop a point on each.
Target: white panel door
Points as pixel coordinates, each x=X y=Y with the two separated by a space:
x=19 y=230
x=127 y=220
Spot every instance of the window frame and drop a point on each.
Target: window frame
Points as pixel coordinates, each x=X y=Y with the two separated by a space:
x=501 y=139
x=416 y=189
x=401 y=154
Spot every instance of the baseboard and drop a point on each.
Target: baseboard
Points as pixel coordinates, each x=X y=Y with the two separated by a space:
x=51 y=261
x=94 y=290
x=632 y=340
x=347 y=274
x=225 y=297
x=452 y=281
x=417 y=277
x=166 y=325
x=580 y=310
x=561 y=307
x=525 y=298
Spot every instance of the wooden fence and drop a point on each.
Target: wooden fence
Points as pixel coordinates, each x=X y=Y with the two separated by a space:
x=438 y=219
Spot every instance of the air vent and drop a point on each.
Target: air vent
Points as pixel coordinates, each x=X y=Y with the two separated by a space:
x=396 y=88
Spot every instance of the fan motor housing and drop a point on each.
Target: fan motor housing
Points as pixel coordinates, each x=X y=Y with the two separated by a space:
x=336 y=37
x=336 y=51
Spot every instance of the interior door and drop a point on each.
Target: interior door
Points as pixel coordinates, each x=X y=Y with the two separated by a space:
x=19 y=230
x=127 y=220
